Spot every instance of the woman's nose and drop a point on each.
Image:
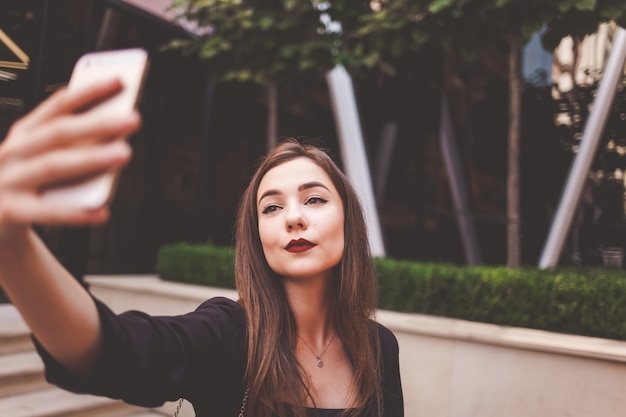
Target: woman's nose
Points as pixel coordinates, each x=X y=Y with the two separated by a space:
x=295 y=219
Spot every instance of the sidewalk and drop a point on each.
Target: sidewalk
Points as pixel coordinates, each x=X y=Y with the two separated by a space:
x=8 y=312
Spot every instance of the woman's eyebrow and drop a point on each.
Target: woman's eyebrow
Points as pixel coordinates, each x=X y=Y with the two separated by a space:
x=311 y=184
x=268 y=193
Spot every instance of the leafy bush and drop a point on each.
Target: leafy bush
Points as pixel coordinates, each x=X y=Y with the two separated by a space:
x=589 y=301
x=585 y=301
x=197 y=264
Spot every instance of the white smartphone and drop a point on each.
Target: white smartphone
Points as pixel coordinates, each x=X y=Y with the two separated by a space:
x=130 y=66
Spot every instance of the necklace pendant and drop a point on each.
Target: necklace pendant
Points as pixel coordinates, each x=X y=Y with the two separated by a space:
x=319 y=362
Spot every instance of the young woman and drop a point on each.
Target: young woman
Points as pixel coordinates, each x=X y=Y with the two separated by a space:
x=300 y=341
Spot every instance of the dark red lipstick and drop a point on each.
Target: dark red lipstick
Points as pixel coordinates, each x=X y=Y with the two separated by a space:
x=300 y=245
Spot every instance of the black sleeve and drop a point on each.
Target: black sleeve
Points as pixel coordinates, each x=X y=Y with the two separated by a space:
x=392 y=386
x=148 y=360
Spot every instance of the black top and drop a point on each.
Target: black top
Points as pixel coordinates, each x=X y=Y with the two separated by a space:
x=200 y=356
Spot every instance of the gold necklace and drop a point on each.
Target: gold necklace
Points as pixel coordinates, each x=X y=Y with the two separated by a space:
x=318 y=358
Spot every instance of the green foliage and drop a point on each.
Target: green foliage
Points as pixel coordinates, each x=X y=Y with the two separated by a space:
x=196 y=264
x=576 y=301
x=464 y=28
x=257 y=40
x=260 y=40
x=589 y=301
x=375 y=34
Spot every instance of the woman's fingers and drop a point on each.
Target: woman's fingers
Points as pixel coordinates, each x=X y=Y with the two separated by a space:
x=21 y=181
x=27 y=209
x=79 y=129
x=56 y=122
x=63 y=165
x=66 y=138
x=67 y=101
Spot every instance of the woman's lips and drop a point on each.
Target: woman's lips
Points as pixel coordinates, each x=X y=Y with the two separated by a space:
x=300 y=245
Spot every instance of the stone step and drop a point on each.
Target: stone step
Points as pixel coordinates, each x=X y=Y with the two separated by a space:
x=14 y=333
x=54 y=402
x=21 y=372
x=24 y=391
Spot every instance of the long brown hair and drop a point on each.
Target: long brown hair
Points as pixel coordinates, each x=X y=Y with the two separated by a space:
x=277 y=383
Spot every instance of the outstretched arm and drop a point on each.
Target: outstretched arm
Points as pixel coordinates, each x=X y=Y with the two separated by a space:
x=57 y=141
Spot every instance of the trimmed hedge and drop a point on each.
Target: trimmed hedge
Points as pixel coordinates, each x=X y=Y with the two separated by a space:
x=584 y=301
x=197 y=264
x=588 y=301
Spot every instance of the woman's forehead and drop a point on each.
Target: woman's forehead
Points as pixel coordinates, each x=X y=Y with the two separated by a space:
x=293 y=174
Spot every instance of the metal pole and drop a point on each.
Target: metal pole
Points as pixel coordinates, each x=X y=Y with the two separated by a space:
x=108 y=29
x=588 y=146
x=353 y=151
x=458 y=188
x=383 y=161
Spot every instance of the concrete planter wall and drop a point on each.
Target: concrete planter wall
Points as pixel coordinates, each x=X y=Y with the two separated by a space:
x=452 y=368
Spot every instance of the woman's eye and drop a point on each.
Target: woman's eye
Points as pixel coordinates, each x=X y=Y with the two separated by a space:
x=316 y=200
x=270 y=209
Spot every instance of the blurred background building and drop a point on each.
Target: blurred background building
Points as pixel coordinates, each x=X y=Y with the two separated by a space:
x=200 y=142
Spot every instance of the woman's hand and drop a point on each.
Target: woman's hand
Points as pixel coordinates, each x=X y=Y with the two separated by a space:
x=59 y=141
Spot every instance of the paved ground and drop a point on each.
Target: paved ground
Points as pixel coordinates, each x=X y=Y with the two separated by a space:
x=8 y=312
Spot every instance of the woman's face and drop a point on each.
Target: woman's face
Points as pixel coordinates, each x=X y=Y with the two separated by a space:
x=300 y=220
